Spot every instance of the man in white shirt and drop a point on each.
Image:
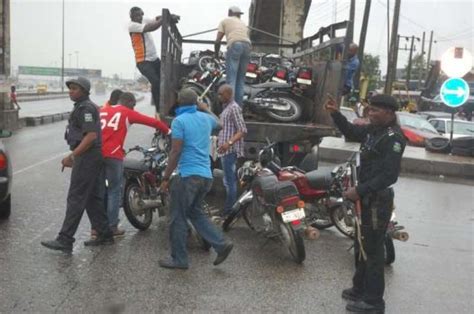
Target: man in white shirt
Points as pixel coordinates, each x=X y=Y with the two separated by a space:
x=238 y=50
x=146 y=58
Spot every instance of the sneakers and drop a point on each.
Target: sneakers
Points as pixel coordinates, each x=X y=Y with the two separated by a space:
x=94 y=234
x=221 y=256
x=351 y=295
x=58 y=245
x=118 y=232
x=100 y=240
x=363 y=307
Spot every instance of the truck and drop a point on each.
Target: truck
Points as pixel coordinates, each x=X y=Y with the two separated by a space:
x=324 y=52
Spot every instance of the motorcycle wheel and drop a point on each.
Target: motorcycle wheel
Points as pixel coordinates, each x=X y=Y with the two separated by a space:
x=206 y=99
x=293 y=115
x=232 y=219
x=342 y=218
x=139 y=219
x=294 y=242
x=207 y=63
x=389 y=250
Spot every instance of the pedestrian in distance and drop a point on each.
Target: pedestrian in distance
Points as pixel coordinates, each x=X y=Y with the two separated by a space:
x=143 y=45
x=382 y=147
x=238 y=50
x=231 y=143
x=13 y=100
x=86 y=190
x=115 y=121
x=113 y=99
x=190 y=144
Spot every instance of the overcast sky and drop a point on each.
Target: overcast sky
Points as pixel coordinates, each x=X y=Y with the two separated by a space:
x=96 y=31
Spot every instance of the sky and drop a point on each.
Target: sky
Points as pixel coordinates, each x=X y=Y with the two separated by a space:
x=96 y=31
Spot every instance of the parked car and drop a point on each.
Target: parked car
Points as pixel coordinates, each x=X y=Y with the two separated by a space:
x=416 y=129
x=5 y=178
x=460 y=127
x=433 y=114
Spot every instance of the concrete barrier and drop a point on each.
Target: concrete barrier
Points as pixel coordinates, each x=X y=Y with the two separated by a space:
x=415 y=159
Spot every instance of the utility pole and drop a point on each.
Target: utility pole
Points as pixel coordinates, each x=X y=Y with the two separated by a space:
x=388 y=29
x=428 y=59
x=391 y=65
x=350 y=31
x=363 y=35
x=62 y=57
x=410 y=61
x=422 y=70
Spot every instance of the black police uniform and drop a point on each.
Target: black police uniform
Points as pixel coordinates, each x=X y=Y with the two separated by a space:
x=380 y=158
x=87 y=189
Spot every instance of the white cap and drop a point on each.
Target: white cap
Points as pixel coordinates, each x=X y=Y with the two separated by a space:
x=235 y=9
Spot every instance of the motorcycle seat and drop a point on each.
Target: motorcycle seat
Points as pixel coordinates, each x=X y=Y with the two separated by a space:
x=269 y=85
x=321 y=178
x=134 y=164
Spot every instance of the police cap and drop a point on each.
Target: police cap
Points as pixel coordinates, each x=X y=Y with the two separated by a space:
x=82 y=82
x=384 y=101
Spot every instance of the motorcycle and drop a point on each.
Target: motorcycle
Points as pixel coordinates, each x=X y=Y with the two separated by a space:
x=343 y=216
x=143 y=177
x=271 y=207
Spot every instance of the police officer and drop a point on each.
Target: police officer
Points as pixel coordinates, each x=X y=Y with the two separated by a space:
x=380 y=158
x=86 y=190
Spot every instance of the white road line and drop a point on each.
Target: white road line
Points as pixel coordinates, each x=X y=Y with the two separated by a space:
x=38 y=164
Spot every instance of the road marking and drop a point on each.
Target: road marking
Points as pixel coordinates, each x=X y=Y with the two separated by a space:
x=38 y=164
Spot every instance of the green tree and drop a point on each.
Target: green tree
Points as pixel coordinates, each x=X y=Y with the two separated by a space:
x=417 y=65
x=371 y=69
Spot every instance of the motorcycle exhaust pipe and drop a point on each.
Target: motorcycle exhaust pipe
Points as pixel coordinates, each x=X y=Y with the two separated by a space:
x=311 y=233
x=149 y=204
x=400 y=235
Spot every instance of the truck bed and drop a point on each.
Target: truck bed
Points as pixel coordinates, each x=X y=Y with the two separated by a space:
x=286 y=132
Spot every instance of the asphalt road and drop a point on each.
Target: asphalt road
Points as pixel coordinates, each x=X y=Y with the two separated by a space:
x=433 y=272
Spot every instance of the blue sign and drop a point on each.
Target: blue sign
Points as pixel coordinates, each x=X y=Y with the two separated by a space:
x=454 y=92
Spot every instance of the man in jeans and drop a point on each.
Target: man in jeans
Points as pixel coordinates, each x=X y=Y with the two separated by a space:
x=190 y=144
x=231 y=143
x=115 y=121
x=146 y=58
x=238 y=50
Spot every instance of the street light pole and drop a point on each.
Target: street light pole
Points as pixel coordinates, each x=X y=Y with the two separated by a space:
x=77 y=59
x=62 y=58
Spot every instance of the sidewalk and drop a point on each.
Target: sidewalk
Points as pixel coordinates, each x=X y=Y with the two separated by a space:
x=415 y=159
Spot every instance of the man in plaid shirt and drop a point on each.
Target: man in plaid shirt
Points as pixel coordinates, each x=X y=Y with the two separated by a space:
x=231 y=143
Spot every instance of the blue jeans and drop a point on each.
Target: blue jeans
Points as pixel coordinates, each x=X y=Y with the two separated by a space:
x=187 y=195
x=230 y=181
x=236 y=60
x=114 y=177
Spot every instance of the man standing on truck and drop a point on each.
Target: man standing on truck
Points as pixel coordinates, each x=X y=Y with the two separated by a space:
x=146 y=58
x=238 y=50
x=352 y=65
x=231 y=143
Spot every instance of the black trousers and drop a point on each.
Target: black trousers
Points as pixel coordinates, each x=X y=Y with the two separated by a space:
x=151 y=70
x=86 y=192
x=369 y=278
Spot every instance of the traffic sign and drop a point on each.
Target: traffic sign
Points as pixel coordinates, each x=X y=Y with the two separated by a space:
x=454 y=92
x=456 y=62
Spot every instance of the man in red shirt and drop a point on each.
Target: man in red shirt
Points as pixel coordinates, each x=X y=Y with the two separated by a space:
x=114 y=98
x=115 y=121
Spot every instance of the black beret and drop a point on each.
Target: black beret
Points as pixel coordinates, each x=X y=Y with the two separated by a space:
x=384 y=101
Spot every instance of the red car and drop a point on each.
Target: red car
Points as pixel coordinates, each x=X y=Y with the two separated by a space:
x=416 y=129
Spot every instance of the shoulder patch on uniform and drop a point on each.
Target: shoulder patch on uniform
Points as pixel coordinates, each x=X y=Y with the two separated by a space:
x=88 y=117
x=397 y=147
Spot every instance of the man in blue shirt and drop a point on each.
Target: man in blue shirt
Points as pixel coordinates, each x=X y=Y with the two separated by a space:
x=351 y=68
x=191 y=131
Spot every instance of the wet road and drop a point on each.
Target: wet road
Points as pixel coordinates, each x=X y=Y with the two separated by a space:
x=433 y=272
